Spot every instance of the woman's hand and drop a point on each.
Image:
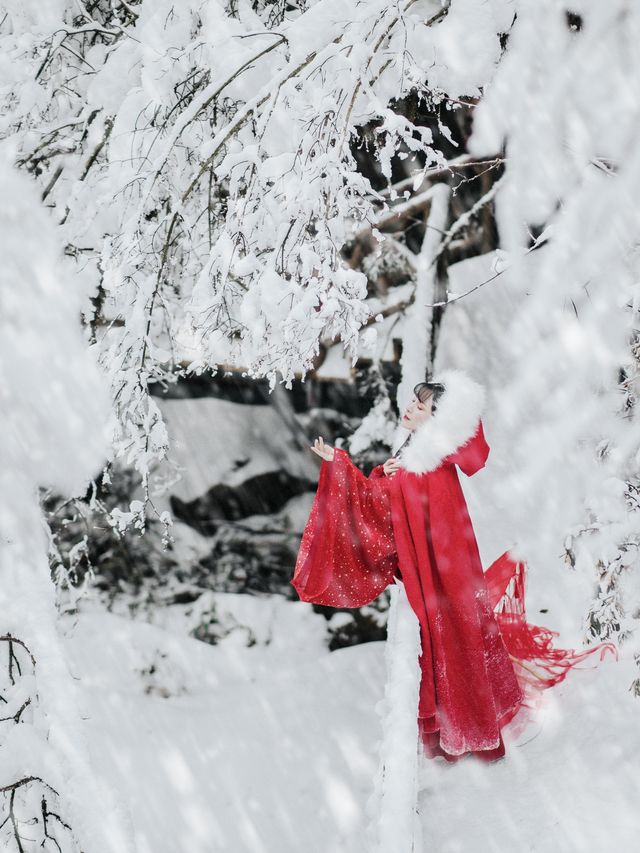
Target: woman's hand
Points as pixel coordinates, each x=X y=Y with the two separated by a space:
x=391 y=466
x=324 y=451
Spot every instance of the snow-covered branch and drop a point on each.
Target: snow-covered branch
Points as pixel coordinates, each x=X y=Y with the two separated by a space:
x=202 y=165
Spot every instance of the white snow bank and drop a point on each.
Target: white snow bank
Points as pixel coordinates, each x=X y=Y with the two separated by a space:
x=569 y=783
x=264 y=750
x=273 y=749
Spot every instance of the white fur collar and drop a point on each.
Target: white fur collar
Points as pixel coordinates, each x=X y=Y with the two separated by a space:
x=452 y=425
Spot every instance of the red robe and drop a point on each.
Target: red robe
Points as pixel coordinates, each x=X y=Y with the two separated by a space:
x=363 y=532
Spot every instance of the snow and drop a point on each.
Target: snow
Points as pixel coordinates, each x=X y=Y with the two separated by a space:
x=336 y=365
x=275 y=747
x=53 y=403
x=570 y=783
x=216 y=441
x=394 y=821
x=270 y=748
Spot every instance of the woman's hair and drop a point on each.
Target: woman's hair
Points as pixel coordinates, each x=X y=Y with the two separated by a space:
x=424 y=390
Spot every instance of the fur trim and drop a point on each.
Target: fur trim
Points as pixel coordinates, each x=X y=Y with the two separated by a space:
x=452 y=425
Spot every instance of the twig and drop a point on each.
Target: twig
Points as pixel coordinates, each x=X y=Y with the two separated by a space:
x=9 y=638
x=209 y=95
x=16 y=717
x=245 y=114
x=482 y=283
x=464 y=161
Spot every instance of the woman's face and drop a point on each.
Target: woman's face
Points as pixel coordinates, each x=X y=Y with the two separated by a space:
x=416 y=413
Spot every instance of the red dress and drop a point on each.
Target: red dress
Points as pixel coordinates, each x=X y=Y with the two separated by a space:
x=480 y=657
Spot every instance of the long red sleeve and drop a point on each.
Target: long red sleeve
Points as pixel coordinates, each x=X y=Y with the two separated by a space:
x=347 y=555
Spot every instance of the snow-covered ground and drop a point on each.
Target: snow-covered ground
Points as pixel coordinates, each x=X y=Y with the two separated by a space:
x=273 y=748
x=569 y=783
x=269 y=749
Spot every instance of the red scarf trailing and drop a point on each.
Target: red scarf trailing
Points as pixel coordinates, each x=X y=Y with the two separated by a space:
x=539 y=664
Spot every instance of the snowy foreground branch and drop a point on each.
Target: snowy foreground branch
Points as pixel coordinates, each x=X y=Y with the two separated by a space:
x=570 y=400
x=53 y=407
x=26 y=814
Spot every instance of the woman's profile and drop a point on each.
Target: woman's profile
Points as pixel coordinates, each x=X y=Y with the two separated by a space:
x=408 y=523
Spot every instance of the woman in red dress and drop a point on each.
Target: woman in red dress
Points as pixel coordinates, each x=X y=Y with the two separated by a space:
x=408 y=520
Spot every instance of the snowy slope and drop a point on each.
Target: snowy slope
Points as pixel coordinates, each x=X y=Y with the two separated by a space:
x=270 y=749
x=273 y=749
x=569 y=783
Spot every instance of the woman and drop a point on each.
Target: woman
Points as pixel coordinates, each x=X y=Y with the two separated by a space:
x=409 y=520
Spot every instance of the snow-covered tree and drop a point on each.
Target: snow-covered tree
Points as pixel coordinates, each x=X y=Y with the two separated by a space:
x=53 y=405
x=561 y=106
x=202 y=162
